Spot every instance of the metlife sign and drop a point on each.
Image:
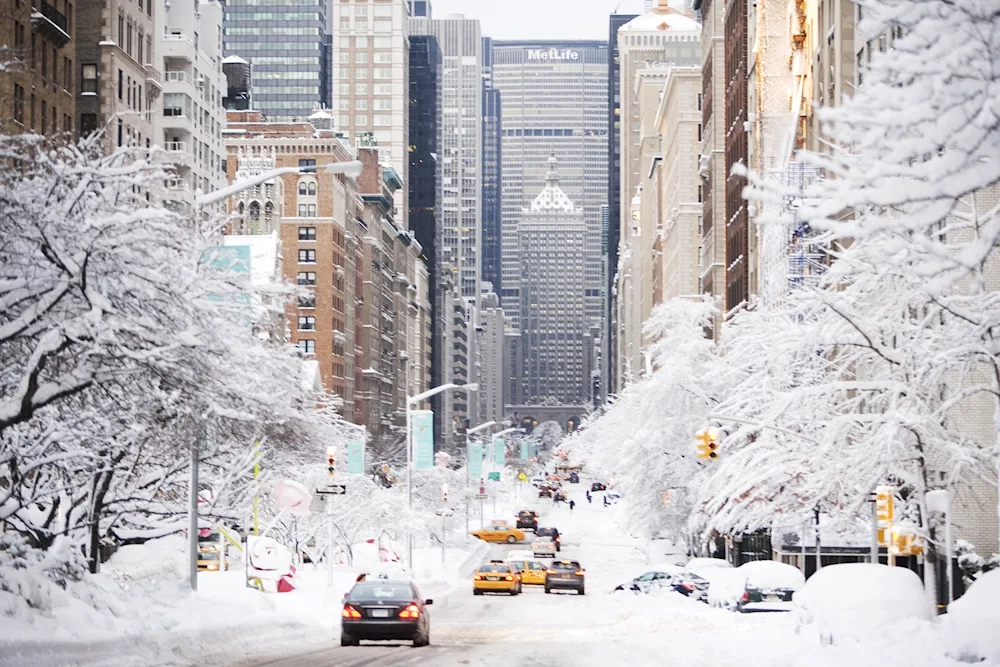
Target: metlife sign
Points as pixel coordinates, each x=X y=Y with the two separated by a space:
x=553 y=54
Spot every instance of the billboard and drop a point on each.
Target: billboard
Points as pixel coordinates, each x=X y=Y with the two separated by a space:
x=422 y=439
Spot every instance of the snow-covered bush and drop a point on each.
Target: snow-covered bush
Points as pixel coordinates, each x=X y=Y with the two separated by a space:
x=972 y=622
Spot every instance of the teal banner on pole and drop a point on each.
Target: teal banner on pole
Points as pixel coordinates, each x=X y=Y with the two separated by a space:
x=422 y=434
x=499 y=452
x=356 y=457
x=524 y=450
x=475 y=460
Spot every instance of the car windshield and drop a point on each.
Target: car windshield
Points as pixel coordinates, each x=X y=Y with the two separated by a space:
x=381 y=591
x=208 y=555
x=519 y=564
x=565 y=565
x=495 y=567
x=547 y=532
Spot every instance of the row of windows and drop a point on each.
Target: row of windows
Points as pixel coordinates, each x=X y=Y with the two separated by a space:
x=48 y=116
x=265 y=31
x=285 y=76
x=276 y=47
x=240 y=13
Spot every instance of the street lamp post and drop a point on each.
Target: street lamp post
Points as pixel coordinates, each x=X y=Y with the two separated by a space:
x=351 y=169
x=468 y=461
x=412 y=401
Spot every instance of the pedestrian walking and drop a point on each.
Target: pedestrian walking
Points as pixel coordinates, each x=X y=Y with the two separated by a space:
x=589 y=497
x=606 y=503
x=572 y=504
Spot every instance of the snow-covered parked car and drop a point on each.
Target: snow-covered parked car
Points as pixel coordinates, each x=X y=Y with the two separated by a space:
x=973 y=620
x=673 y=578
x=860 y=601
x=768 y=586
x=704 y=566
x=726 y=587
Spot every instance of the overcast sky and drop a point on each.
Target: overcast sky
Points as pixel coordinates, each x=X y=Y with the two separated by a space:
x=539 y=19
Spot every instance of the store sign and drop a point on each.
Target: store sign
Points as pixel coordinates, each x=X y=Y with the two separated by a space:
x=553 y=54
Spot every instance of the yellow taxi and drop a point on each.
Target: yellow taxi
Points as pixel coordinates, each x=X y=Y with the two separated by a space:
x=532 y=572
x=496 y=577
x=499 y=532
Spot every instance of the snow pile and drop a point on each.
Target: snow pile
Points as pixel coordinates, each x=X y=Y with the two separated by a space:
x=861 y=601
x=973 y=620
x=726 y=587
x=705 y=567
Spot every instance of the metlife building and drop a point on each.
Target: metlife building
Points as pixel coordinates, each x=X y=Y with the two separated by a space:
x=554 y=99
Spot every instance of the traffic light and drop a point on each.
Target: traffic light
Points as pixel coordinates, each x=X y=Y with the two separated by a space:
x=708 y=444
x=884 y=512
x=331 y=460
x=444 y=493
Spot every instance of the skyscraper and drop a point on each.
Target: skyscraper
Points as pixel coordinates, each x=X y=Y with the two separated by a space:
x=425 y=175
x=553 y=246
x=458 y=245
x=554 y=98
x=287 y=43
x=614 y=186
x=491 y=171
x=370 y=91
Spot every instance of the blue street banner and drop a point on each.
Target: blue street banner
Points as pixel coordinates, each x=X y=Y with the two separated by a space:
x=524 y=450
x=499 y=452
x=356 y=457
x=475 y=460
x=422 y=434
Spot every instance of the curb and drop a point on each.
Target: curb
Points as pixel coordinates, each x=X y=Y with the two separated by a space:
x=474 y=559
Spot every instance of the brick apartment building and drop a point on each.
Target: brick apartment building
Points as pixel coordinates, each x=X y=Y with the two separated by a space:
x=367 y=319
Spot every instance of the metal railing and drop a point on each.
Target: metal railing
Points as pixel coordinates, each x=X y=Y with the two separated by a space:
x=177 y=76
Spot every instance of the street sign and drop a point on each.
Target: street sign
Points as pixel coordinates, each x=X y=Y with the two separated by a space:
x=356 y=457
x=499 y=451
x=495 y=476
x=482 y=496
x=333 y=490
x=521 y=476
x=444 y=512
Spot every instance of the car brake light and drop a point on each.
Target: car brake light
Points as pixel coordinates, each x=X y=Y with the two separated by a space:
x=688 y=587
x=550 y=571
x=746 y=596
x=579 y=573
x=410 y=611
x=478 y=578
x=351 y=612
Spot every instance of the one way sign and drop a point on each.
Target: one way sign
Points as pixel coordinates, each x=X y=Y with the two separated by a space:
x=333 y=490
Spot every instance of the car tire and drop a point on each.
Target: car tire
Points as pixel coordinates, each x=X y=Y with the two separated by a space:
x=423 y=639
x=580 y=591
x=547 y=590
x=349 y=640
x=511 y=539
x=475 y=592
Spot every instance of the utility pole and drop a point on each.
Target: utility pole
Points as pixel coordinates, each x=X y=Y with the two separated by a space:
x=193 y=527
x=331 y=467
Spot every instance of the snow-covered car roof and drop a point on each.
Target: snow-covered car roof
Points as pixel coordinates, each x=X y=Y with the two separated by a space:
x=772 y=574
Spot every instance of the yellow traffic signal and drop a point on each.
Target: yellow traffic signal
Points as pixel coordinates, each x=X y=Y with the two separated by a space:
x=708 y=444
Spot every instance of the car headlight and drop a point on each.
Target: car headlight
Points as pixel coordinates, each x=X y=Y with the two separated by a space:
x=213 y=566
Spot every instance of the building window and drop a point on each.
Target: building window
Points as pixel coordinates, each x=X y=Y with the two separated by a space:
x=307 y=210
x=88 y=124
x=121 y=85
x=307 y=346
x=121 y=29
x=307 y=323
x=361 y=119
x=307 y=233
x=307 y=301
x=307 y=256
x=305 y=165
x=307 y=188
x=19 y=104
x=307 y=278
x=88 y=79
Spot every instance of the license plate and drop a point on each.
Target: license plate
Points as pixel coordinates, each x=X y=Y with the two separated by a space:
x=493 y=578
x=380 y=613
x=565 y=576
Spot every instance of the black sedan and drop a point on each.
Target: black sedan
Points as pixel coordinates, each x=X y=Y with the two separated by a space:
x=563 y=574
x=383 y=610
x=598 y=486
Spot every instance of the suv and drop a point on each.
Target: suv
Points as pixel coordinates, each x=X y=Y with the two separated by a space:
x=565 y=574
x=527 y=519
x=548 y=531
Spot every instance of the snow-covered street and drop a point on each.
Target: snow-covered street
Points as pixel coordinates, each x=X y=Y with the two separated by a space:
x=601 y=627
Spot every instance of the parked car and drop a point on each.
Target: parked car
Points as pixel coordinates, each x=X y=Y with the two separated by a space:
x=598 y=486
x=527 y=519
x=563 y=574
x=671 y=578
x=381 y=610
x=768 y=586
x=704 y=566
x=860 y=601
x=549 y=531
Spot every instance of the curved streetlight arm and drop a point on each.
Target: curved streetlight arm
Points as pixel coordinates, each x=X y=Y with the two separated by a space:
x=481 y=427
x=352 y=168
x=413 y=400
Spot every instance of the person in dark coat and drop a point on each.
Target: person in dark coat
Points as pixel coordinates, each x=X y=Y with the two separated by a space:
x=589 y=497
x=572 y=504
